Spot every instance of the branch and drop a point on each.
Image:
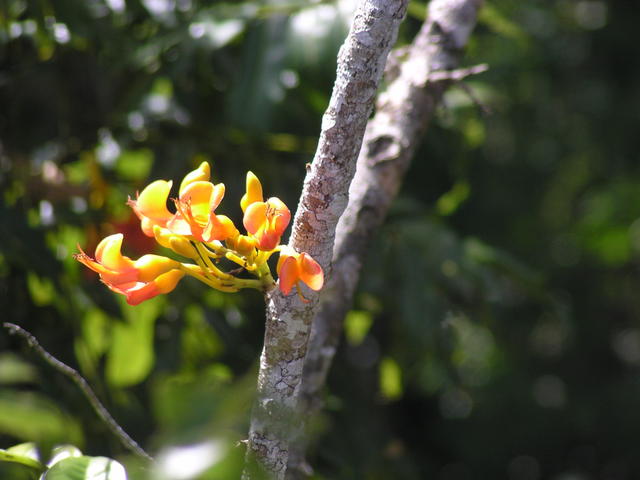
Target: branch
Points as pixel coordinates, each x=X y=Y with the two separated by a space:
x=324 y=197
x=79 y=380
x=402 y=116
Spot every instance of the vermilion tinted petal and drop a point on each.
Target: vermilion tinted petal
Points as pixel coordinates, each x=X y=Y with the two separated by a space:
x=142 y=292
x=220 y=227
x=267 y=239
x=310 y=272
x=288 y=274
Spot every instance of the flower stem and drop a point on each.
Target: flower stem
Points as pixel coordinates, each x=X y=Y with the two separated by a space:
x=230 y=285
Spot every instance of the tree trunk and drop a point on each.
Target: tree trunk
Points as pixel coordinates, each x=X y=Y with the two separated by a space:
x=361 y=61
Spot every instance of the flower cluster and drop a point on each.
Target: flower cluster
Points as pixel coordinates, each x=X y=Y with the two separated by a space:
x=197 y=232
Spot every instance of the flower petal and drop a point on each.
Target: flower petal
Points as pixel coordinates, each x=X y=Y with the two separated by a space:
x=280 y=215
x=108 y=254
x=168 y=281
x=151 y=267
x=220 y=227
x=254 y=217
x=254 y=191
x=152 y=202
x=197 y=196
x=310 y=272
x=288 y=274
x=202 y=173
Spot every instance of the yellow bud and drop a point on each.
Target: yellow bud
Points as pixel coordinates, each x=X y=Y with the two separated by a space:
x=242 y=244
x=177 y=243
x=254 y=191
x=182 y=246
x=162 y=236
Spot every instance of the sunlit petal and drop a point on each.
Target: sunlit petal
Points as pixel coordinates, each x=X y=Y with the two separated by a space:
x=288 y=274
x=253 y=193
x=254 y=217
x=108 y=254
x=310 y=272
x=220 y=227
x=202 y=173
x=152 y=201
x=152 y=266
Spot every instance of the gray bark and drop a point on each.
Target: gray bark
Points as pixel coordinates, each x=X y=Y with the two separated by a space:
x=275 y=417
x=416 y=85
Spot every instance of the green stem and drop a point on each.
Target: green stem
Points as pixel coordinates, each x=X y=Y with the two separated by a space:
x=204 y=254
x=229 y=254
x=230 y=285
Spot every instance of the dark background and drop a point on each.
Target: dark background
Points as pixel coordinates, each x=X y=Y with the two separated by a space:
x=496 y=330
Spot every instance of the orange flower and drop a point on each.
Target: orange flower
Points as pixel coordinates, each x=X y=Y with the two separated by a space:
x=151 y=206
x=266 y=222
x=196 y=216
x=296 y=267
x=138 y=292
x=138 y=280
x=198 y=198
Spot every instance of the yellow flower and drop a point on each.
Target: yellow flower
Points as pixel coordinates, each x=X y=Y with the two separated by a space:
x=196 y=217
x=151 y=206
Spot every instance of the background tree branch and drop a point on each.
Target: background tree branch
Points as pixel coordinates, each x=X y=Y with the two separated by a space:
x=417 y=80
x=361 y=63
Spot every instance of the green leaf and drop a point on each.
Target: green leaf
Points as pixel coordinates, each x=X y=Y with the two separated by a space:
x=86 y=468
x=15 y=370
x=24 y=454
x=200 y=342
x=135 y=164
x=31 y=416
x=390 y=379
x=41 y=289
x=131 y=357
x=356 y=326
x=501 y=24
x=450 y=201
x=95 y=340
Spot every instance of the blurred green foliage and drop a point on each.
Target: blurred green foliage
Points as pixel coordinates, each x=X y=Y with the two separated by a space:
x=495 y=333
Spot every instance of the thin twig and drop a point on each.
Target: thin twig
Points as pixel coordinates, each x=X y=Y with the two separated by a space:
x=457 y=74
x=79 y=380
